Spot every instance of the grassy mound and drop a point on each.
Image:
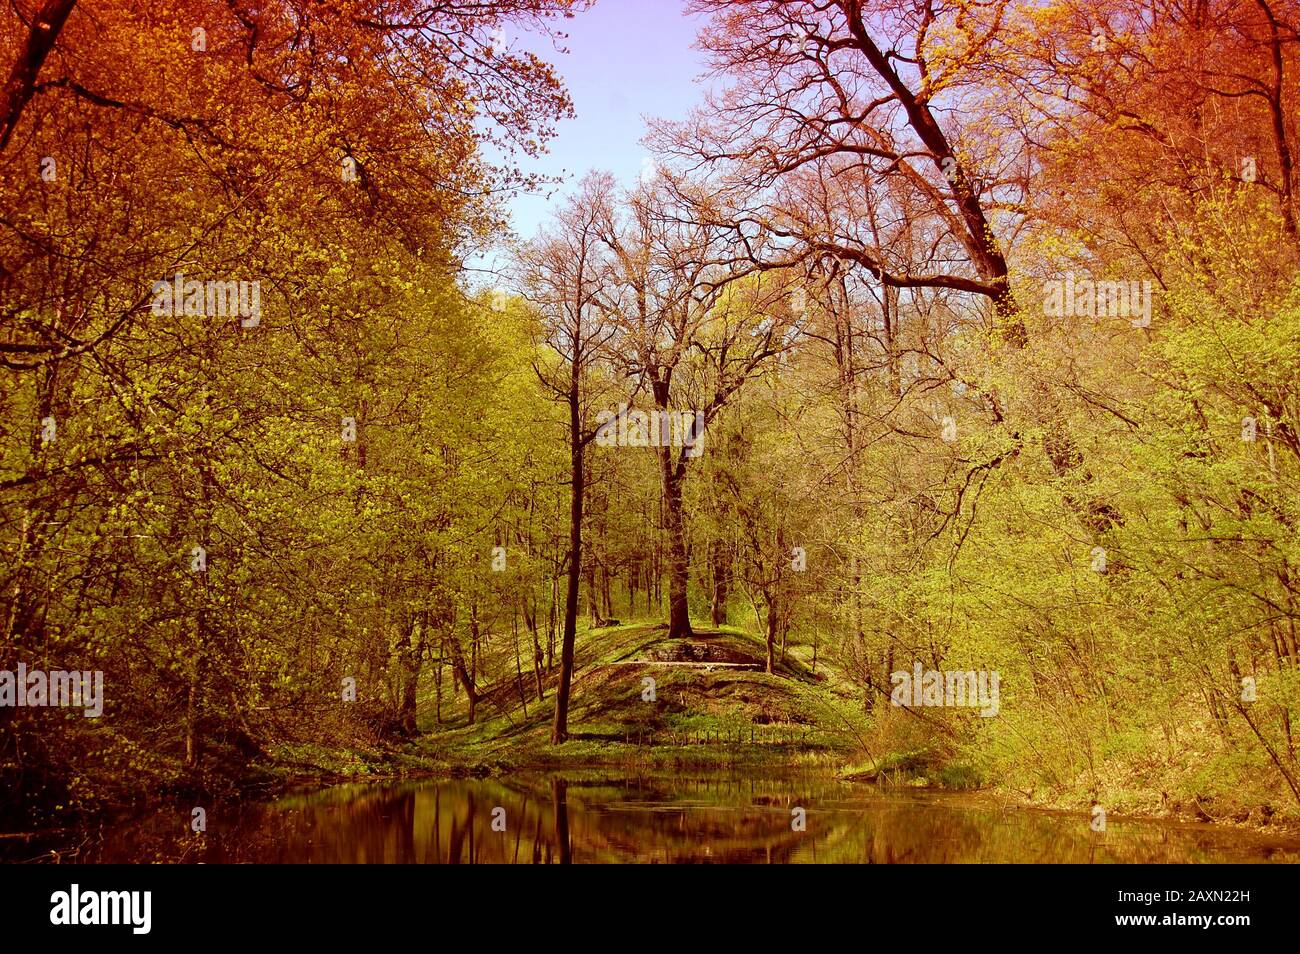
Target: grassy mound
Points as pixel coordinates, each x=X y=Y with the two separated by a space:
x=709 y=702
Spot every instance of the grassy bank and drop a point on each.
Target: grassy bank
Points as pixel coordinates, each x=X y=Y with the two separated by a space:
x=713 y=707
x=644 y=703
x=638 y=696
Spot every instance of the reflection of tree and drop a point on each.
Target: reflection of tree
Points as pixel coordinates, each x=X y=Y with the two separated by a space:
x=460 y=825
x=707 y=819
x=560 y=797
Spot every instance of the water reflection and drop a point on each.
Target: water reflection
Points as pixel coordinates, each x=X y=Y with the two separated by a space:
x=711 y=818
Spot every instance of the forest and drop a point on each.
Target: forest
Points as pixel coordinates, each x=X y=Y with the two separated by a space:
x=926 y=410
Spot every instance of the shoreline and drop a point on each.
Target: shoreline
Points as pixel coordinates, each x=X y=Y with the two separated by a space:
x=274 y=780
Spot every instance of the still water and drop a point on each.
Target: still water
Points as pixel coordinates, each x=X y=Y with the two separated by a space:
x=700 y=817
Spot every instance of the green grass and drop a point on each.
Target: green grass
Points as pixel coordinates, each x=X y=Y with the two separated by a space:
x=698 y=717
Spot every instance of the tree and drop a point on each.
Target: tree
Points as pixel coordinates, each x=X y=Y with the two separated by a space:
x=854 y=87
x=562 y=274
x=685 y=332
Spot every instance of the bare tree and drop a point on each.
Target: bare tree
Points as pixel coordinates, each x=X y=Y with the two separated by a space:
x=562 y=272
x=848 y=86
x=687 y=331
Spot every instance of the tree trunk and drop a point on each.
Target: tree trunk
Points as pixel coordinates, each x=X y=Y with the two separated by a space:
x=463 y=677
x=593 y=598
x=193 y=705
x=473 y=642
x=519 y=665
x=721 y=579
x=21 y=85
x=409 y=652
x=437 y=686
x=771 y=634
x=560 y=729
x=551 y=621
x=539 y=657
x=679 y=621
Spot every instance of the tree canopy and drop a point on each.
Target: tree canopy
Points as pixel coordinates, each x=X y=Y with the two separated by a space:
x=960 y=334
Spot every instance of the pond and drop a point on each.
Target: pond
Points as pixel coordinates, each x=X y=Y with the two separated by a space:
x=693 y=817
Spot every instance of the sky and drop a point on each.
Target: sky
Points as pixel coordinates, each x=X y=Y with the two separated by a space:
x=627 y=60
